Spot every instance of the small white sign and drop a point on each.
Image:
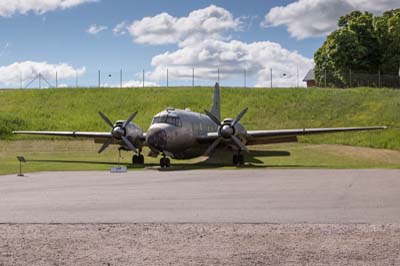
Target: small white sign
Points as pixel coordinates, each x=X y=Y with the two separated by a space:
x=119 y=169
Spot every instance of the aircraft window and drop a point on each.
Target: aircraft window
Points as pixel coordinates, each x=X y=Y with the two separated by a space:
x=172 y=120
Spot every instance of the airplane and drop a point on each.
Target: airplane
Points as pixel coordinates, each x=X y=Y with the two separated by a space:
x=183 y=134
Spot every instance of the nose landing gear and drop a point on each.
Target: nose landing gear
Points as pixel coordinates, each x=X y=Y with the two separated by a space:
x=165 y=162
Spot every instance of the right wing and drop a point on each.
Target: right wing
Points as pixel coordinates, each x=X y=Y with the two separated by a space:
x=255 y=137
x=99 y=137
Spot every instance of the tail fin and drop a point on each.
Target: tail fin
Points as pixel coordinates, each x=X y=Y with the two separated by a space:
x=216 y=105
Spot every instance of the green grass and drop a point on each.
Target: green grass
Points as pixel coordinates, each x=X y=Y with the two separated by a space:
x=76 y=109
x=73 y=155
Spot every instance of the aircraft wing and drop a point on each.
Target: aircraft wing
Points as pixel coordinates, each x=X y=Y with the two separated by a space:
x=95 y=135
x=255 y=137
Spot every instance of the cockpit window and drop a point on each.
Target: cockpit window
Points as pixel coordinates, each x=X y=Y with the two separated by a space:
x=166 y=119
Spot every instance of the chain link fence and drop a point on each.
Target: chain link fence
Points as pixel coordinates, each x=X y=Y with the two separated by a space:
x=192 y=77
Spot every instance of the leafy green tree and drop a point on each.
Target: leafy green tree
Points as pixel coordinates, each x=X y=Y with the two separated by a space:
x=364 y=43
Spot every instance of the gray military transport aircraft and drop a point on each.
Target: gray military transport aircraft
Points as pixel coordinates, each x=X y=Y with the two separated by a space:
x=183 y=134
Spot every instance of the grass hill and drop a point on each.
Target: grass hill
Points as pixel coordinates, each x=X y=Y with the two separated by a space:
x=76 y=109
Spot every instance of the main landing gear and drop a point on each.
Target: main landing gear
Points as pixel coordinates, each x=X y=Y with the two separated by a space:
x=138 y=159
x=165 y=162
x=238 y=159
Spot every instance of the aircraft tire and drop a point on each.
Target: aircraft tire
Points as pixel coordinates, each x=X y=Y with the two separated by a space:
x=167 y=162
x=162 y=162
x=141 y=159
x=135 y=159
x=235 y=160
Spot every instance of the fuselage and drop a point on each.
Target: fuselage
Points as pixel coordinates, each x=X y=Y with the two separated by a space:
x=175 y=132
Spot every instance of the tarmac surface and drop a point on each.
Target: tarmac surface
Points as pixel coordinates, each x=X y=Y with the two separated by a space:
x=203 y=196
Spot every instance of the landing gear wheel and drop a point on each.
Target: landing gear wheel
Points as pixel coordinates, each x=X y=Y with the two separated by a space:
x=165 y=162
x=141 y=159
x=238 y=159
x=135 y=159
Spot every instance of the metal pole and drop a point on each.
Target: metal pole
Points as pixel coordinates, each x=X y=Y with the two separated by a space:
x=218 y=75
x=99 y=79
x=167 y=79
x=325 y=78
x=56 y=79
x=244 y=73
x=40 y=81
x=193 y=77
x=120 y=79
x=143 y=78
x=76 y=79
x=350 y=78
x=298 y=82
x=379 y=78
x=20 y=79
x=271 y=78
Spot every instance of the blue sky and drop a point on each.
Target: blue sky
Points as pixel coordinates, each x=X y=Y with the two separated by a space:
x=59 y=34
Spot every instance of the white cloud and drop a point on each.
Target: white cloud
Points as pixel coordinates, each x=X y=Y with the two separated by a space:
x=95 y=29
x=10 y=75
x=11 y=7
x=310 y=18
x=131 y=84
x=232 y=58
x=121 y=29
x=163 y=28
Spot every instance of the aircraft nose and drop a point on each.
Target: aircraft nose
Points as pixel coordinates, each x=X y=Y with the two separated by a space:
x=157 y=139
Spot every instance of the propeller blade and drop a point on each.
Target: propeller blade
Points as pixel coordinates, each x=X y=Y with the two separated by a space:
x=239 y=117
x=213 y=118
x=106 y=144
x=129 y=144
x=105 y=118
x=129 y=119
x=212 y=147
x=240 y=144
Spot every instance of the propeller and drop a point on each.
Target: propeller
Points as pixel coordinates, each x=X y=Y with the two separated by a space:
x=118 y=133
x=226 y=131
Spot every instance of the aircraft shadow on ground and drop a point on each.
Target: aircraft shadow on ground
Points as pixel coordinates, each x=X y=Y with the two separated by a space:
x=220 y=160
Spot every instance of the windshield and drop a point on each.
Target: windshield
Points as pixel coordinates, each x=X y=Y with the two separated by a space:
x=167 y=119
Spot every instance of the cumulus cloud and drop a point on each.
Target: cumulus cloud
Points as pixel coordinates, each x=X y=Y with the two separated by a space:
x=131 y=84
x=121 y=29
x=96 y=29
x=10 y=75
x=11 y=7
x=163 y=28
x=310 y=18
x=232 y=58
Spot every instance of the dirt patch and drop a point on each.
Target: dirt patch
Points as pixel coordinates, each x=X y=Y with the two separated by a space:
x=199 y=244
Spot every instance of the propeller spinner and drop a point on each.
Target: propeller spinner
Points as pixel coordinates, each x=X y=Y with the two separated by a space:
x=226 y=131
x=118 y=133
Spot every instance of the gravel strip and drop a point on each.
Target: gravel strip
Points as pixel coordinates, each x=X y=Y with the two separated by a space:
x=199 y=244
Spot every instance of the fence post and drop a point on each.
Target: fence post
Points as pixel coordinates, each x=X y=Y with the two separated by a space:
x=350 y=78
x=271 y=77
x=99 y=79
x=120 y=78
x=143 y=78
x=56 y=79
x=76 y=79
x=379 y=78
x=167 y=78
x=218 y=75
x=325 y=78
x=193 y=78
x=244 y=73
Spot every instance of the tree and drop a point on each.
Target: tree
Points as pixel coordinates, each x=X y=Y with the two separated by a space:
x=364 y=43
